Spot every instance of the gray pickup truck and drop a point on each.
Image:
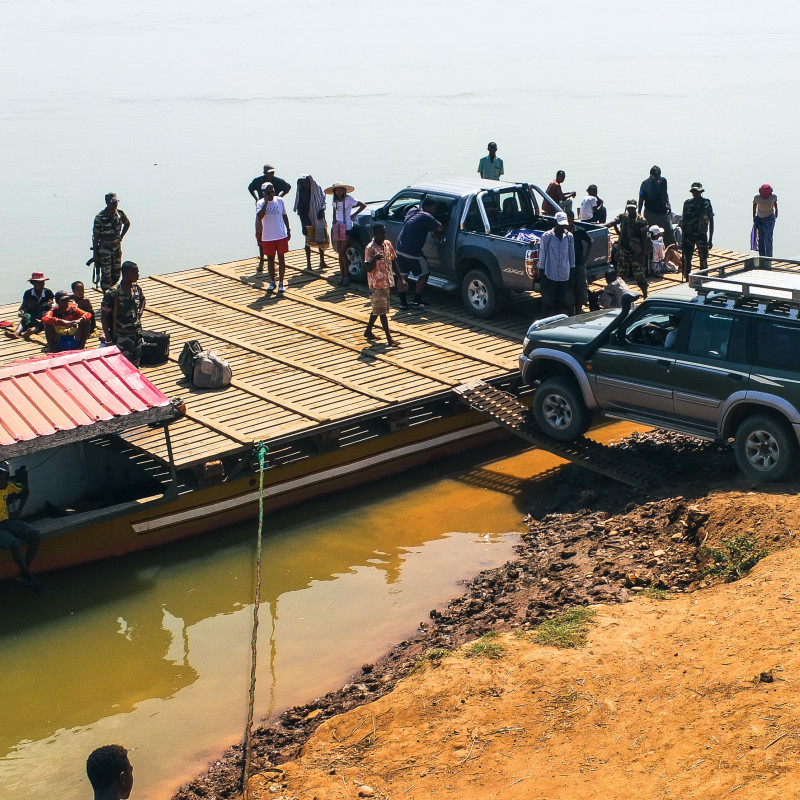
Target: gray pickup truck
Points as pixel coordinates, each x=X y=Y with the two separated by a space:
x=490 y=245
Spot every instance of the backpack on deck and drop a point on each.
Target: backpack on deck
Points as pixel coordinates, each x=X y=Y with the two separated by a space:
x=186 y=359
x=210 y=371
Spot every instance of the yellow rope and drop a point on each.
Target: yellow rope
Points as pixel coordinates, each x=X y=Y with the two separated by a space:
x=261 y=450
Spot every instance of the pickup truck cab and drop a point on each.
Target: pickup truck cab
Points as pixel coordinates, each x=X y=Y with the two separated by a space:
x=490 y=244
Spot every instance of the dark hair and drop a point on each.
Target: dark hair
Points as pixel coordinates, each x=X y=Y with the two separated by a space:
x=105 y=764
x=427 y=202
x=561 y=172
x=379 y=226
x=611 y=273
x=126 y=265
x=75 y=283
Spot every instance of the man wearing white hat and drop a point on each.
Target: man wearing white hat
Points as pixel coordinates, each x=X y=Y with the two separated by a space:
x=556 y=263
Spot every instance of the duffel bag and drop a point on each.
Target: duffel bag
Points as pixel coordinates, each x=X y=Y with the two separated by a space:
x=155 y=348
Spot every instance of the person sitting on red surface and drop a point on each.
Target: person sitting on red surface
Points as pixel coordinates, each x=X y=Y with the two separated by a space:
x=66 y=326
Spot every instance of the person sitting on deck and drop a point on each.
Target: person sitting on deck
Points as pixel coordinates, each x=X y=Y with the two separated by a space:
x=84 y=304
x=14 y=533
x=610 y=296
x=110 y=772
x=36 y=302
x=66 y=326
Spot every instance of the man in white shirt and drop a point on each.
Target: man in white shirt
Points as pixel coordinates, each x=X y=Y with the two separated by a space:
x=272 y=234
x=556 y=262
x=592 y=207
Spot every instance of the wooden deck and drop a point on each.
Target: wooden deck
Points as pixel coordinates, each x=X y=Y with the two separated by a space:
x=300 y=362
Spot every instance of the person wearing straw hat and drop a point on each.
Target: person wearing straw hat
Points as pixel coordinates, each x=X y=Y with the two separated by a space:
x=345 y=209
x=765 y=212
x=36 y=302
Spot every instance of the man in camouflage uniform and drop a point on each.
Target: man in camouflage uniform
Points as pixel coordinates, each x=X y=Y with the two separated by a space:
x=121 y=314
x=633 y=245
x=108 y=231
x=698 y=228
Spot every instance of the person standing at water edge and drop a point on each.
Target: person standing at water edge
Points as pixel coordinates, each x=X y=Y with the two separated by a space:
x=14 y=533
x=654 y=197
x=256 y=186
x=345 y=209
x=411 y=259
x=765 y=212
x=309 y=204
x=273 y=234
x=110 y=772
x=121 y=314
x=556 y=265
x=491 y=167
x=108 y=231
x=380 y=261
x=698 y=228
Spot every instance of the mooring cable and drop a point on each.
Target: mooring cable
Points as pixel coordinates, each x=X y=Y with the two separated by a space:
x=261 y=451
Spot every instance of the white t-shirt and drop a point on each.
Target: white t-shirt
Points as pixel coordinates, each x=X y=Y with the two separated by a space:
x=658 y=249
x=588 y=205
x=346 y=206
x=272 y=226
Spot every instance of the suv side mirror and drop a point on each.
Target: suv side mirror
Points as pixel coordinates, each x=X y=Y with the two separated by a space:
x=379 y=213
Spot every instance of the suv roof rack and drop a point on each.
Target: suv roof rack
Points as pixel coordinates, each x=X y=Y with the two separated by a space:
x=764 y=285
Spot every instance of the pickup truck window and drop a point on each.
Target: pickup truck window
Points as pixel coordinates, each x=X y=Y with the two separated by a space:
x=399 y=207
x=506 y=209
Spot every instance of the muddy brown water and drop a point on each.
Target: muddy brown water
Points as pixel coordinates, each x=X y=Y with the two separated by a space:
x=152 y=651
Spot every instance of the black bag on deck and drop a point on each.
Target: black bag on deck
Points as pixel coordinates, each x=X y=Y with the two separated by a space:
x=186 y=359
x=155 y=348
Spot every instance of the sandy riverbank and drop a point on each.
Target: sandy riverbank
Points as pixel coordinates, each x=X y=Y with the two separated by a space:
x=448 y=729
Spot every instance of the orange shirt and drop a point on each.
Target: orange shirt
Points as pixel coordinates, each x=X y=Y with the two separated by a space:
x=72 y=314
x=382 y=275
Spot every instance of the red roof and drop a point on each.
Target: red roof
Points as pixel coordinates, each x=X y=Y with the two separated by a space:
x=72 y=396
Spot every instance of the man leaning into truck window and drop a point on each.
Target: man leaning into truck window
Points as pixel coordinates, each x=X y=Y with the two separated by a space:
x=556 y=263
x=411 y=260
x=491 y=166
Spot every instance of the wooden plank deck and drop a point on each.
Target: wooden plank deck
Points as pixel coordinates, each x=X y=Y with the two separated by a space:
x=300 y=360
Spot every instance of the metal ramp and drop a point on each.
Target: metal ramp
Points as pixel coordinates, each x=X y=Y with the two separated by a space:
x=506 y=410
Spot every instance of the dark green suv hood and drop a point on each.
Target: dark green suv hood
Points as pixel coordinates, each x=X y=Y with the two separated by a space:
x=565 y=332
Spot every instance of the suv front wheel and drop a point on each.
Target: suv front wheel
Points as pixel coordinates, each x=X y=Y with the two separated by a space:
x=559 y=410
x=765 y=448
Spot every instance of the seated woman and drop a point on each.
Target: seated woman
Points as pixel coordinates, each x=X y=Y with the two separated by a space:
x=66 y=326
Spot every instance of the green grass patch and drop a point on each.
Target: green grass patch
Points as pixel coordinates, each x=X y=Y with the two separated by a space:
x=435 y=655
x=486 y=647
x=735 y=557
x=656 y=594
x=566 y=630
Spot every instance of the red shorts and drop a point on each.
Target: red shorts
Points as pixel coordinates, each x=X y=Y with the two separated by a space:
x=277 y=246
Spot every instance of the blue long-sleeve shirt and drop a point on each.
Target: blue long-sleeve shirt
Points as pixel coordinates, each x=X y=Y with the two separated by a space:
x=557 y=256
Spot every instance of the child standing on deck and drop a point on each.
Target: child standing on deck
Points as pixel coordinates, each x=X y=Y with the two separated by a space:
x=380 y=260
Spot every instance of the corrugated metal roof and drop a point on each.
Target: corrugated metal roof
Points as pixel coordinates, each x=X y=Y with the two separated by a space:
x=73 y=396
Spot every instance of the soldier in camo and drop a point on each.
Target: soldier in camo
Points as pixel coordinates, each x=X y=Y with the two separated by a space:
x=121 y=314
x=698 y=228
x=108 y=231
x=633 y=245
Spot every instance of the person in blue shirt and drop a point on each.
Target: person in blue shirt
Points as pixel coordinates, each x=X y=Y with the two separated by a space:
x=419 y=222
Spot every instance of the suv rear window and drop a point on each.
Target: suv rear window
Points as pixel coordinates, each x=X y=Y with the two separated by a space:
x=777 y=344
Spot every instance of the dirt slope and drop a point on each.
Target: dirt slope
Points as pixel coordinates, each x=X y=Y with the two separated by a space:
x=693 y=696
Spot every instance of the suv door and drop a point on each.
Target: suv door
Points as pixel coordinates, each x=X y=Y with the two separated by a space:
x=713 y=367
x=634 y=372
x=393 y=214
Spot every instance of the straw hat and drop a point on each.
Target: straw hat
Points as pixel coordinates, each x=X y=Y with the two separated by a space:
x=37 y=276
x=338 y=185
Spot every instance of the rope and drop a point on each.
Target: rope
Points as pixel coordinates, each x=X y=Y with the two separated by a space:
x=261 y=451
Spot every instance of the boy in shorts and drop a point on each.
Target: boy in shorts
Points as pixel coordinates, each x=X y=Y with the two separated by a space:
x=380 y=261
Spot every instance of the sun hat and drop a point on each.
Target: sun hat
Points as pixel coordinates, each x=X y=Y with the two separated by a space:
x=267 y=185
x=37 y=276
x=697 y=186
x=338 y=185
x=562 y=219
x=269 y=168
x=655 y=229
x=765 y=190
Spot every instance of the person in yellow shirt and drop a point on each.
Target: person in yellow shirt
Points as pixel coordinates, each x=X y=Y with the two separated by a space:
x=14 y=533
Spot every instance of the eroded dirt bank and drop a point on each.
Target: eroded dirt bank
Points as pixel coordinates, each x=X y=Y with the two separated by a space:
x=595 y=543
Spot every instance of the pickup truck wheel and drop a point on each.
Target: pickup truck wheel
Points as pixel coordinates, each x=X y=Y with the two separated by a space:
x=559 y=410
x=355 y=256
x=480 y=295
x=765 y=448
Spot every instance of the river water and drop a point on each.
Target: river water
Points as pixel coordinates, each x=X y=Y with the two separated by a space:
x=176 y=106
x=152 y=650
